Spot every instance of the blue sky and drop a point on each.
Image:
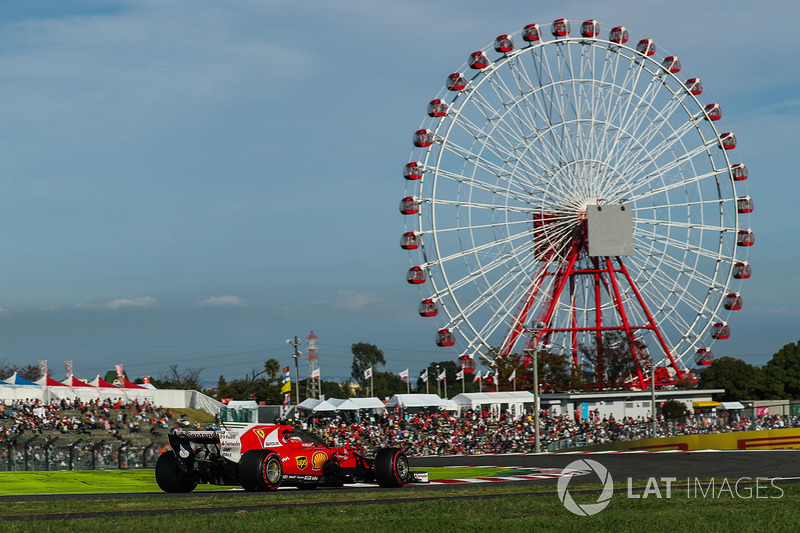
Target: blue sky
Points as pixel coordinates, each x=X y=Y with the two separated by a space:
x=193 y=182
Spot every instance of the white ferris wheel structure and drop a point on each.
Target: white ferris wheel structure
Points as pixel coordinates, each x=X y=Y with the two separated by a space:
x=565 y=186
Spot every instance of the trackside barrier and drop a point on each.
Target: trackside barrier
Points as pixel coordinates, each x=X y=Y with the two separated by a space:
x=45 y=454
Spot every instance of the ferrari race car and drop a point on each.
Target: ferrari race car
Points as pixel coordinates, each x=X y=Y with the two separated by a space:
x=263 y=457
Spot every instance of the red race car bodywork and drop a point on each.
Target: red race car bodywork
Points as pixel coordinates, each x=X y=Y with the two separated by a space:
x=266 y=456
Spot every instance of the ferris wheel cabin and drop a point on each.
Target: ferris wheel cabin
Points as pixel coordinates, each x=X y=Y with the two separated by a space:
x=713 y=112
x=467 y=363
x=416 y=276
x=423 y=138
x=671 y=64
x=646 y=47
x=744 y=204
x=445 y=338
x=746 y=238
x=694 y=86
x=437 y=108
x=409 y=206
x=720 y=331
x=531 y=33
x=456 y=82
x=560 y=28
x=478 y=60
x=409 y=241
x=739 y=172
x=733 y=301
x=413 y=171
x=590 y=28
x=704 y=357
x=619 y=35
x=503 y=44
x=428 y=308
x=727 y=141
x=742 y=270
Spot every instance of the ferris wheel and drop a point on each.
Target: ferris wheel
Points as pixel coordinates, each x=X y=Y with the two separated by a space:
x=563 y=187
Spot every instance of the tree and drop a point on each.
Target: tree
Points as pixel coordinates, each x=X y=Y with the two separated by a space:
x=673 y=409
x=187 y=379
x=782 y=372
x=30 y=372
x=366 y=356
x=273 y=368
x=740 y=380
x=610 y=361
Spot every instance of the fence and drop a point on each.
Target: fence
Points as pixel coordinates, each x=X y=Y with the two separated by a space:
x=42 y=454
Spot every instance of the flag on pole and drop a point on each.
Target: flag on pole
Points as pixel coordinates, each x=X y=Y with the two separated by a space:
x=513 y=376
x=496 y=380
x=368 y=373
x=287 y=381
x=286 y=401
x=315 y=373
x=443 y=375
x=120 y=373
x=68 y=368
x=459 y=375
x=477 y=377
x=43 y=367
x=424 y=376
x=404 y=374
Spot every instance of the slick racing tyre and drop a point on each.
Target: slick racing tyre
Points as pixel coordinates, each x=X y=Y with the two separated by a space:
x=260 y=470
x=169 y=476
x=391 y=467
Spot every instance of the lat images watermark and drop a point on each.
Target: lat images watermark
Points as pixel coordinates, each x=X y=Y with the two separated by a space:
x=743 y=488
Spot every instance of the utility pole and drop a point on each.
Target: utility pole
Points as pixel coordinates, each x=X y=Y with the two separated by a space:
x=653 y=396
x=296 y=356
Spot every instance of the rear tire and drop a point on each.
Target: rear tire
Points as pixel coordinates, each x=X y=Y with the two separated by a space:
x=169 y=476
x=391 y=467
x=260 y=470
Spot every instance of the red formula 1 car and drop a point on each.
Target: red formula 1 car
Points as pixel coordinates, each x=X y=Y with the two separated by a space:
x=263 y=457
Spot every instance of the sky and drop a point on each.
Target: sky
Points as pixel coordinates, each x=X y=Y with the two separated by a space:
x=193 y=182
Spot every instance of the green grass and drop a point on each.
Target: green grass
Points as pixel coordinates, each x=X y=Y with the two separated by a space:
x=512 y=508
x=83 y=481
x=485 y=507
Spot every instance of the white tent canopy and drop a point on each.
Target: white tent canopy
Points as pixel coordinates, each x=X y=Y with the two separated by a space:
x=516 y=401
x=430 y=401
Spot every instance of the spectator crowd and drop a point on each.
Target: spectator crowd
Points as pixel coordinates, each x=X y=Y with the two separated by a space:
x=476 y=432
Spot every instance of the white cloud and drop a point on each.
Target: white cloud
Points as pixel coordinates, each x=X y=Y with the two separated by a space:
x=142 y=301
x=223 y=301
x=351 y=300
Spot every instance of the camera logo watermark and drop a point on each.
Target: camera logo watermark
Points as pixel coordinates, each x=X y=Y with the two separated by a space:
x=586 y=509
x=721 y=488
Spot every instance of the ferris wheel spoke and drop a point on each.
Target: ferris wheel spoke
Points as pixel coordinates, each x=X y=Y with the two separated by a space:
x=678 y=245
x=683 y=184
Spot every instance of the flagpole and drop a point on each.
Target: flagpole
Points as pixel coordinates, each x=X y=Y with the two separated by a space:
x=408 y=382
x=427 y=377
x=463 y=383
x=438 y=382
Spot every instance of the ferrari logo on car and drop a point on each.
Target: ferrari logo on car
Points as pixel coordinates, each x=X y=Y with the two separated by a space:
x=302 y=462
x=318 y=460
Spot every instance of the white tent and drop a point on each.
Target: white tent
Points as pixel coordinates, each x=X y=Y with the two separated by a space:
x=516 y=401
x=421 y=401
x=343 y=405
x=369 y=403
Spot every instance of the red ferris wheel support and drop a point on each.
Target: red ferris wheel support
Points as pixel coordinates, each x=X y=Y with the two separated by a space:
x=609 y=276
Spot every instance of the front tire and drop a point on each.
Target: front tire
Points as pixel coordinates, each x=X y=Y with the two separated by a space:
x=260 y=470
x=170 y=477
x=391 y=467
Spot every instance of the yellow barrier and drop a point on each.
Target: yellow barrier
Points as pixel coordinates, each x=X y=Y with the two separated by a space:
x=768 y=439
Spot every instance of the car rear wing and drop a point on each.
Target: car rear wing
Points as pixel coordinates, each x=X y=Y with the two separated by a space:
x=188 y=437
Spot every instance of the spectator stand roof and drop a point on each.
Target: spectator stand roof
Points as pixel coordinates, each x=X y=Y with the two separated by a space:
x=355 y=404
x=406 y=401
